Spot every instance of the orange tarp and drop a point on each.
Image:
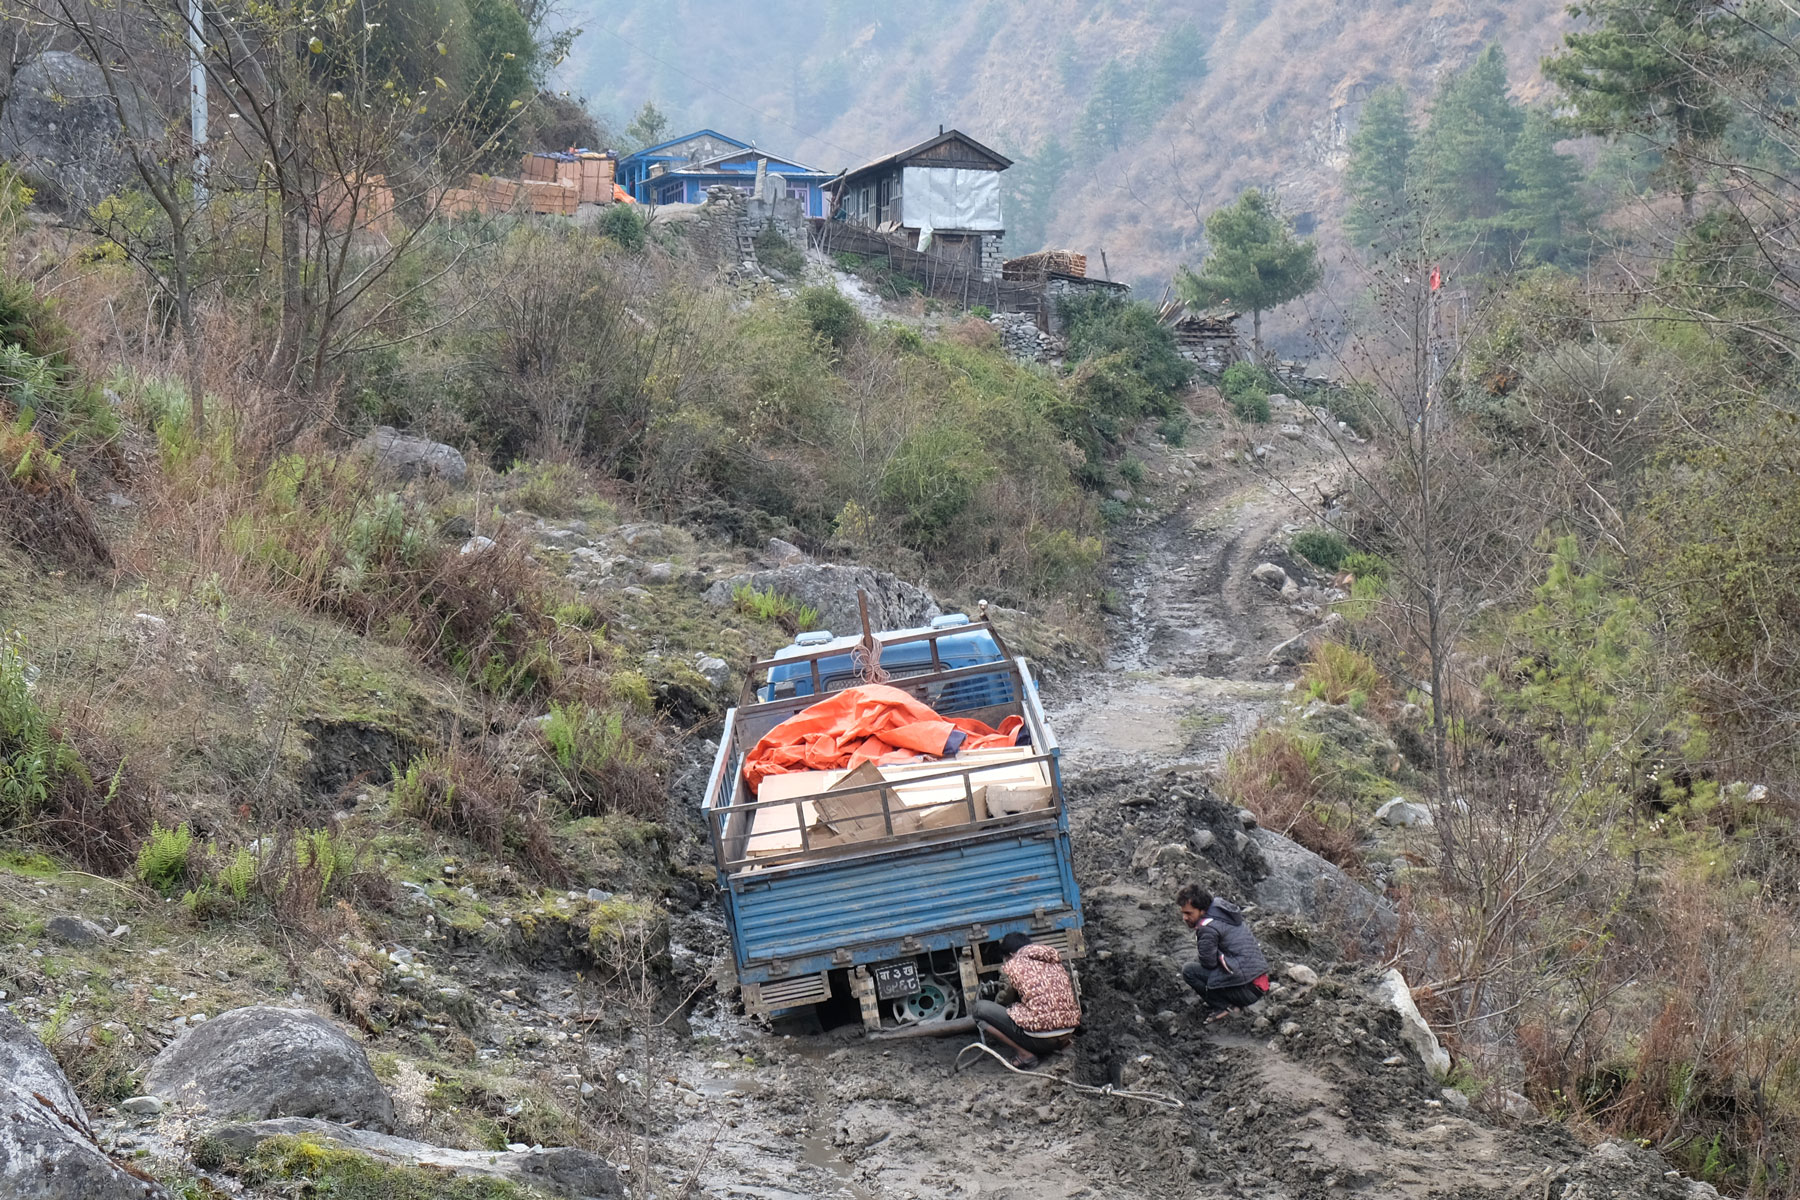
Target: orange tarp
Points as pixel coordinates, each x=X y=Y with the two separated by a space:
x=873 y=723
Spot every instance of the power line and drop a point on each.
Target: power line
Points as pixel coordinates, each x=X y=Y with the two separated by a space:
x=855 y=155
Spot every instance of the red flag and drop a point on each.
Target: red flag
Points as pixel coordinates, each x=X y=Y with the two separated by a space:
x=1436 y=279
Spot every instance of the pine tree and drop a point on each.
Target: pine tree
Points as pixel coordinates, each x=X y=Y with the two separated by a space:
x=1545 y=208
x=1648 y=68
x=1253 y=261
x=1030 y=192
x=1113 y=111
x=1459 y=167
x=1377 y=176
x=648 y=127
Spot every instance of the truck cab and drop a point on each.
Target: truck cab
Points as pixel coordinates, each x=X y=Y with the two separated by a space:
x=900 y=923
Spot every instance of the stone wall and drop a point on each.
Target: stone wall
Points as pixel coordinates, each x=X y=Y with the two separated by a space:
x=992 y=256
x=1059 y=287
x=716 y=227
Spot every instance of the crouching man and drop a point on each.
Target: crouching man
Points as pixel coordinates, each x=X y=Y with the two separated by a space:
x=1043 y=1012
x=1231 y=972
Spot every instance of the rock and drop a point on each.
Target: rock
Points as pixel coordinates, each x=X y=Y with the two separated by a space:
x=1302 y=974
x=1239 y=840
x=1122 y=495
x=784 y=553
x=1393 y=992
x=831 y=590
x=1403 y=813
x=562 y=1171
x=262 y=1062
x=1293 y=431
x=407 y=457
x=1290 y=591
x=73 y=931
x=1204 y=839
x=1301 y=884
x=121 y=931
x=715 y=671
x=657 y=574
x=1301 y=645
x=143 y=1106
x=46 y=1151
x=476 y=545
x=120 y=500
x=1516 y=1106
x=60 y=127
x=1288 y=1028
x=1456 y=1099
x=1270 y=574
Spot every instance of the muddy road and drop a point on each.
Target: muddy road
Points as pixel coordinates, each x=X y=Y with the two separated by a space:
x=1315 y=1096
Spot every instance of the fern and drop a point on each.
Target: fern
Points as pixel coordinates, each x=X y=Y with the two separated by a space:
x=237 y=875
x=163 y=858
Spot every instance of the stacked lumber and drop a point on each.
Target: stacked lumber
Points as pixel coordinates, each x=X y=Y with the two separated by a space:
x=549 y=199
x=461 y=202
x=540 y=168
x=597 y=174
x=1031 y=268
x=362 y=202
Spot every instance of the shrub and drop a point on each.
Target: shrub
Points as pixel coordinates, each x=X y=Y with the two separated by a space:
x=34 y=756
x=1324 y=548
x=831 y=316
x=40 y=509
x=1173 y=429
x=163 y=859
x=624 y=224
x=1247 y=389
x=775 y=252
x=982 y=312
x=602 y=766
x=1131 y=470
x=1280 y=776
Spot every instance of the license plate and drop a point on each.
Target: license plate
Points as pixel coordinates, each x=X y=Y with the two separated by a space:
x=894 y=980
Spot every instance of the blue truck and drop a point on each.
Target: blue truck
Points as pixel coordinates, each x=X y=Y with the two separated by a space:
x=886 y=895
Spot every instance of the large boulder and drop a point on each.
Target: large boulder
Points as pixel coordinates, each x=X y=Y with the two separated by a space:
x=46 y=1149
x=59 y=125
x=560 y=1171
x=265 y=1062
x=1302 y=884
x=408 y=457
x=831 y=589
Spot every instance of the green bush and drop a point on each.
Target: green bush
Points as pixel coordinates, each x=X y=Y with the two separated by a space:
x=624 y=224
x=1247 y=387
x=775 y=252
x=982 y=312
x=34 y=757
x=1128 y=366
x=1173 y=429
x=1131 y=470
x=832 y=316
x=163 y=858
x=1324 y=548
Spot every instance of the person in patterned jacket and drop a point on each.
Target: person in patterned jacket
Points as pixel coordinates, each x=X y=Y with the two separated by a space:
x=1042 y=1013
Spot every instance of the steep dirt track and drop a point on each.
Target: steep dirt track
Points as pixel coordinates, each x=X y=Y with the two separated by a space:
x=1316 y=1098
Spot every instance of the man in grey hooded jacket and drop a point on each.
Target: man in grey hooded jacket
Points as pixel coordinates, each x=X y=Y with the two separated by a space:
x=1231 y=972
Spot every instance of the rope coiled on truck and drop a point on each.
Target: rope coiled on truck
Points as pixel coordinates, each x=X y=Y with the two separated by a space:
x=1156 y=1098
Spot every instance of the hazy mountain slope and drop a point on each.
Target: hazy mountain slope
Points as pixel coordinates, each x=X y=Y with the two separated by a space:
x=834 y=84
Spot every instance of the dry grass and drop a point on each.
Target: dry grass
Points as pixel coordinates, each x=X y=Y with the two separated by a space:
x=1279 y=776
x=461 y=790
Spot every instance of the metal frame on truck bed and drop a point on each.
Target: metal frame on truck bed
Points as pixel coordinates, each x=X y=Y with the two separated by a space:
x=934 y=876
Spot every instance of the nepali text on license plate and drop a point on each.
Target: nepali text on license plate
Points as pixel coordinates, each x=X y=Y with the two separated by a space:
x=896 y=979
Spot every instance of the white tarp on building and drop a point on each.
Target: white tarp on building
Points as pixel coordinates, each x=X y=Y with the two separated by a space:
x=934 y=198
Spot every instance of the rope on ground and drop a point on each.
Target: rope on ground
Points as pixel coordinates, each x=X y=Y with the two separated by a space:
x=1156 y=1098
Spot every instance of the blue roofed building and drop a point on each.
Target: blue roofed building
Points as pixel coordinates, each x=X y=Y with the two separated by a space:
x=680 y=170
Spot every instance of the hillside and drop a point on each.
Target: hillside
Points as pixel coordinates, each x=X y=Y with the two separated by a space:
x=1282 y=92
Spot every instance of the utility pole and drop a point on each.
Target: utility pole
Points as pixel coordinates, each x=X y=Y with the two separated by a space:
x=196 y=40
